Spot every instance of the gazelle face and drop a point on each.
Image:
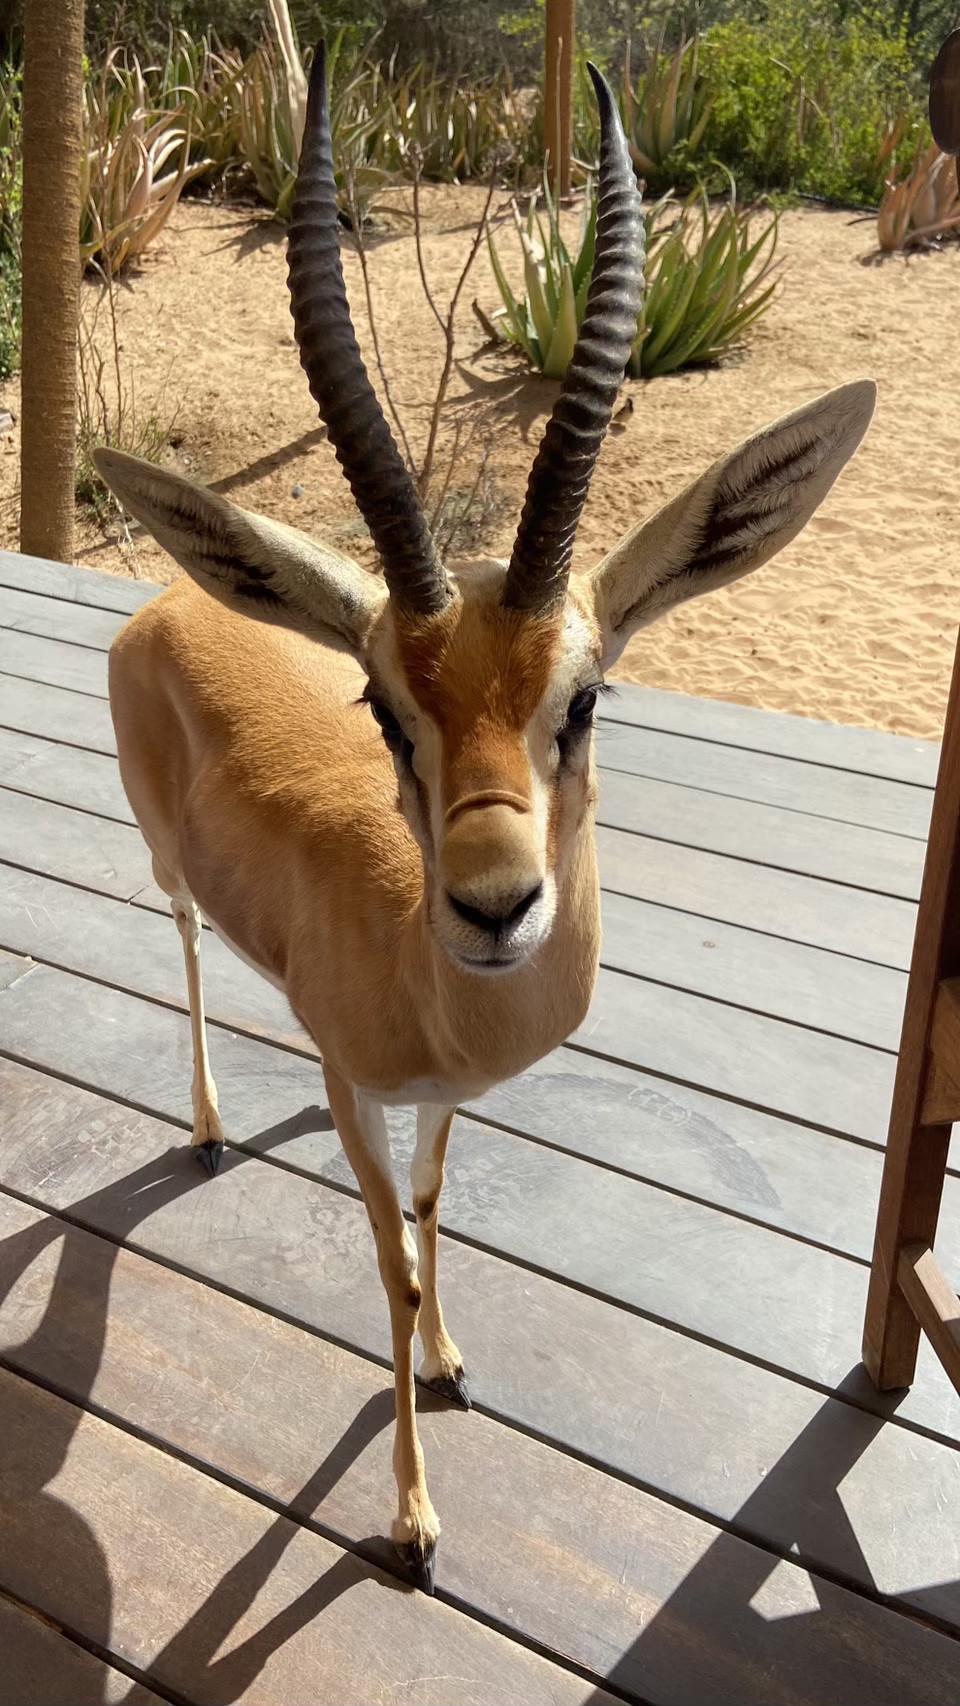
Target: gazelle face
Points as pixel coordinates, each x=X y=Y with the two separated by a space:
x=488 y=714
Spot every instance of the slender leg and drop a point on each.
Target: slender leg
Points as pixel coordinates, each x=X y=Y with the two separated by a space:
x=442 y=1363
x=363 y=1132
x=207 y=1130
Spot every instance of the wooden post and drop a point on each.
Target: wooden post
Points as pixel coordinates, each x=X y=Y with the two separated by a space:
x=558 y=92
x=52 y=140
x=923 y=1103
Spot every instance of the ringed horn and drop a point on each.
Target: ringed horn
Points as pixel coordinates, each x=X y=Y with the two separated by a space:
x=364 y=445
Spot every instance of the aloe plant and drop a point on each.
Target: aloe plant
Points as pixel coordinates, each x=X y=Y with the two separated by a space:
x=135 y=164
x=921 y=207
x=707 y=278
x=667 y=111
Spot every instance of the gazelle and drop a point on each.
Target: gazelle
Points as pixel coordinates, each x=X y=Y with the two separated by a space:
x=380 y=790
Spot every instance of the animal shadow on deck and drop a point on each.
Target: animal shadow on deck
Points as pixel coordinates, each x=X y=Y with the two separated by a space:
x=704 y=1641
x=67 y=1557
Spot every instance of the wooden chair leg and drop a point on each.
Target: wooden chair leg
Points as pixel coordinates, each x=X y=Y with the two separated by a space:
x=925 y=1095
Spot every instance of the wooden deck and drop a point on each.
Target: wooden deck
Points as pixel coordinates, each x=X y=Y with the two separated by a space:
x=678 y=1486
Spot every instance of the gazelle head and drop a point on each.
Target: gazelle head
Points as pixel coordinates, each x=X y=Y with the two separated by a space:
x=483 y=677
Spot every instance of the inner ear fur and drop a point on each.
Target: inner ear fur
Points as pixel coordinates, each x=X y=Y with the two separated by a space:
x=253 y=563
x=734 y=518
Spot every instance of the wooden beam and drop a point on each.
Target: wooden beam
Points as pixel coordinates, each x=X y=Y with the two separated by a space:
x=934 y=1303
x=558 y=92
x=52 y=137
x=919 y=1134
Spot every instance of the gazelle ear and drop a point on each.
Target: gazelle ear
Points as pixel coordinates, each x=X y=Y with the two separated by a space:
x=252 y=563
x=734 y=518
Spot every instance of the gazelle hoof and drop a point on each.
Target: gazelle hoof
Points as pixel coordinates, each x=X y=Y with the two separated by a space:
x=209 y=1155
x=452 y=1387
x=420 y=1564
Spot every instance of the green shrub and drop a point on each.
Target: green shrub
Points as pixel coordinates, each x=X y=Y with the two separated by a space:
x=804 y=101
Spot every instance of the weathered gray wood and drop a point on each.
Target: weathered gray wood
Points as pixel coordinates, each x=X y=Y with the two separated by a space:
x=55 y=619
x=56 y=714
x=93 y=851
x=254 y=1608
x=875 y=928
x=723 y=1436
x=102 y=1321
x=79 y=668
x=138 y=951
x=75 y=585
x=820 y=1079
x=88 y=781
x=43 y=1668
x=841 y=794
x=89 y=934
x=812 y=1301
x=873 y=752
x=682 y=1138
x=872 y=927
x=788 y=980
x=764 y=835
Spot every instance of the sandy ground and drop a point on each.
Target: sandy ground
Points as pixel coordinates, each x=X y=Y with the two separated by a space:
x=855 y=621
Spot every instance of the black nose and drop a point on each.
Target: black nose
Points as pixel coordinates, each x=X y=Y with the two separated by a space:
x=494 y=923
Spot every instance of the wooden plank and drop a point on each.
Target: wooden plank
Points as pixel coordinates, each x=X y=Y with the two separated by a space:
x=685 y=1139
x=173 y=1359
x=800 y=909
x=88 y=781
x=55 y=619
x=725 y=1437
x=843 y=795
x=783 y=1302
x=873 y=752
x=78 y=668
x=763 y=835
x=874 y=928
x=941 y=1099
x=56 y=714
x=41 y=1667
x=138 y=951
x=934 y=1303
x=85 y=933
x=75 y=585
x=299 y=1618
x=110 y=857
x=808 y=1075
x=788 y=980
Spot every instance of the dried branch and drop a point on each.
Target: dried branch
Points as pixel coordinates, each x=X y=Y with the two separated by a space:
x=350 y=185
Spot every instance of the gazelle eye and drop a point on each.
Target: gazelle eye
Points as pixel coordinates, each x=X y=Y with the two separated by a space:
x=389 y=727
x=581 y=708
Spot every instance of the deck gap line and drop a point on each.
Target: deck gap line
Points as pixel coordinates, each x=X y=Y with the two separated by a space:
x=17 y=627
x=609 y=718
x=80 y=603
x=524 y=1264
x=751 y=799
x=311 y=1524
x=57 y=740
x=105 y=1654
x=15 y=675
x=8 y=787
x=650 y=833
x=257 y=1495
x=742 y=1007
x=771 y=935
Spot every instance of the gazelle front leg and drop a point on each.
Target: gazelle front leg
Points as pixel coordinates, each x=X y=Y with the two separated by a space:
x=207 y=1130
x=362 y=1129
x=442 y=1364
